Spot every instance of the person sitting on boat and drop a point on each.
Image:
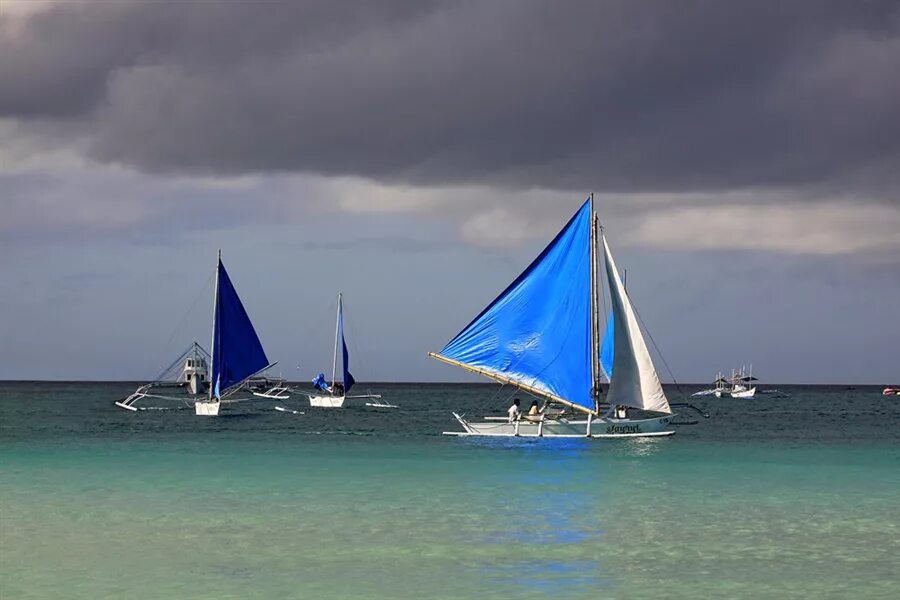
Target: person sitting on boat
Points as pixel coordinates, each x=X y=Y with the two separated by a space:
x=514 y=411
x=534 y=413
x=338 y=389
x=621 y=411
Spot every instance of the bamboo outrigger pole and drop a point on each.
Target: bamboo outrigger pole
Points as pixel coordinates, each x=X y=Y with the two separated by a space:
x=502 y=379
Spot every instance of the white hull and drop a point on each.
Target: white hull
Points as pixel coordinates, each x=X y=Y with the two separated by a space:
x=745 y=393
x=326 y=401
x=603 y=427
x=193 y=383
x=207 y=409
x=338 y=401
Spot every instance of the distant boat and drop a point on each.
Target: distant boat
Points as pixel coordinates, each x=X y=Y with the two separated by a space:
x=334 y=395
x=237 y=354
x=891 y=391
x=541 y=336
x=187 y=375
x=721 y=387
x=739 y=386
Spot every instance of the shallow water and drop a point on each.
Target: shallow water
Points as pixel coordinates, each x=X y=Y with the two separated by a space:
x=773 y=497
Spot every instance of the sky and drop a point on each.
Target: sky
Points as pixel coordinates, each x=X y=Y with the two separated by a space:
x=416 y=156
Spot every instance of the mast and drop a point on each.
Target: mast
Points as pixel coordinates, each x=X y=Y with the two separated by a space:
x=337 y=322
x=595 y=314
x=212 y=343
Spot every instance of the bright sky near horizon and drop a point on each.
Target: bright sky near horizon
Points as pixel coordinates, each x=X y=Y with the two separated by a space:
x=416 y=156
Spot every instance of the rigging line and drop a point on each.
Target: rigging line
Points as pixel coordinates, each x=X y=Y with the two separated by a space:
x=553 y=360
x=658 y=351
x=184 y=317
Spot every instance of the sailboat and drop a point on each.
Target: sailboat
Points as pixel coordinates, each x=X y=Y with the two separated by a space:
x=334 y=395
x=541 y=336
x=237 y=354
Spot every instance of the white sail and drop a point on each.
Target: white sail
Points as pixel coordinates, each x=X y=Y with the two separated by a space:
x=634 y=382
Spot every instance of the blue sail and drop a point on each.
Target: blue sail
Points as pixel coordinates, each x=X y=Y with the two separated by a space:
x=607 y=349
x=348 y=378
x=538 y=331
x=237 y=352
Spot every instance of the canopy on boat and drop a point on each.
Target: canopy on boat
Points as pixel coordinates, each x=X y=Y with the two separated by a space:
x=537 y=332
x=237 y=351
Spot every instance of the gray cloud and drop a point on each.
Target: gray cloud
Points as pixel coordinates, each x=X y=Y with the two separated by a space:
x=611 y=96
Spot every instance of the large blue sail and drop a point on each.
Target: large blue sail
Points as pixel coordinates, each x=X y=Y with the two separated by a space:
x=538 y=331
x=237 y=352
x=607 y=349
x=348 y=378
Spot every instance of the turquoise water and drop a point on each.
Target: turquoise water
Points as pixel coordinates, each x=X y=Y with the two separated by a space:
x=775 y=497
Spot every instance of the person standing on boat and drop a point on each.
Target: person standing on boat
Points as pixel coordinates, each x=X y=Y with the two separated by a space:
x=514 y=411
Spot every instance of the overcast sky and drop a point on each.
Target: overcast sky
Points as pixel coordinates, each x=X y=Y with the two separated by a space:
x=417 y=155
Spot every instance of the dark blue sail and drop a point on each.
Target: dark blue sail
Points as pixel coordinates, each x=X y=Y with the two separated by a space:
x=538 y=331
x=237 y=352
x=348 y=378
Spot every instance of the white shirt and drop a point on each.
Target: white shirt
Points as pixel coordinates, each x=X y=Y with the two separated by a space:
x=513 y=413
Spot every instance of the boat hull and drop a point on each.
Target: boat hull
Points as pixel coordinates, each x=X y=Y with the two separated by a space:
x=745 y=393
x=600 y=428
x=326 y=401
x=207 y=409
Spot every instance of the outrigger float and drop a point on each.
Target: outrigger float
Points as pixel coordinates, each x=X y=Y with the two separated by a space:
x=541 y=335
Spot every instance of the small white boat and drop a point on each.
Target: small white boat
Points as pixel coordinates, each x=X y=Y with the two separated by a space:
x=742 y=384
x=541 y=336
x=720 y=388
x=237 y=354
x=334 y=395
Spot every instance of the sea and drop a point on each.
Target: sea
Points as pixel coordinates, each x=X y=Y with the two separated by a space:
x=794 y=494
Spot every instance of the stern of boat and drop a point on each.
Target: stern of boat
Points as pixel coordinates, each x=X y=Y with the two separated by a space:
x=326 y=401
x=207 y=409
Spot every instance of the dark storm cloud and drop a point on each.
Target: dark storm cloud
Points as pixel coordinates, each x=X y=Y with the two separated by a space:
x=615 y=96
